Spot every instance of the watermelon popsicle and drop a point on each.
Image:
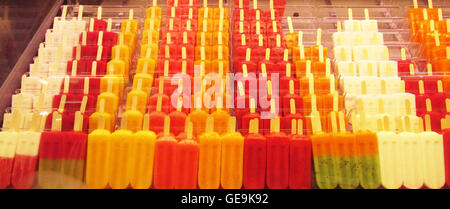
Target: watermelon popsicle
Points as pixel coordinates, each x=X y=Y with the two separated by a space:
x=143 y=156
x=186 y=160
x=232 y=157
x=299 y=157
x=50 y=154
x=8 y=143
x=27 y=149
x=255 y=149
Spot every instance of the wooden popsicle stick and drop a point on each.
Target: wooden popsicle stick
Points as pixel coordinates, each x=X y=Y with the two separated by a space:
x=429 y=69
x=439 y=86
x=252 y=105
x=440 y=18
x=366 y=14
x=64 y=12
x=334 y=128
x=190 y=129
x=415 y=5
x=109 y=25
x=172 y=12
x=427 y=123
x=146 y=122
x=350 y=14
x=421 y=87
x=443 y=124
x=175 y=3
x=386 y=123
x=221 y=4
x=430 y=3
x=403 y=53
x=171 y=24
x=258 y=27
x=202 y=39
x=290 y=25
x=155 y=3
x=83 y=104
x=286 y=55
x=338 y=26
x=380 y=105
x=272 y=125
x=244 y=70
x=315 y=123
x=86 y=86
x=161 y=85
x=363 y=87
x=408 y=107
x=158 y=104
x=311 y=85
x=56 y=122
x=447 y=52
x=166 y=68
x=209 y=126
x=241 y=88
x=272 y=14
x=219 y=38
x=291 y=86
x=436 y=35
x=272 y=106
x=383 y=87
x=241 y=27
x=263 y=70
x=134 y=103
x=274 y=27
x=66 y=84
x=243 y=40
x=293 y=126
x=321 y=57
x=255 y=4
x=300 y=127
x=166 y=126
x=91 y=26
x=447 y=105
x=327 y=67
x=269 y=87
x=332 y=84
x=241 y=15
x=78 y=122
x=292 y=106
x=428 y=105
x=336 y=101
x=254 y=126
x=248 y=54
x=411 y=69
x=399 y=124
x=221 y=68
x=191 y=13
x=278 y=40
x=74 y=68
x=267 y=57
x=101 y=105
x=131 y=14
x=80 y=12
x=62 y=103
x=300 y=40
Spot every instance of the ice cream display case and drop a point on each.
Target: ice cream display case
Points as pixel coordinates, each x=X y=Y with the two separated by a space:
x=188 y=94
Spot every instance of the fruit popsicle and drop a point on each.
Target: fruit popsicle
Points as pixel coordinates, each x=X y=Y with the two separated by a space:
x=390 y=149
x=367 y=152
x=209 y=158
x=186 y=160
x=143 y=155
x=277 y=176
x=324 y=160
x=412 y=154
x=232 y=157
x=26 y=157
x=255 y=149
x=157 y=118
x=346 y=159
x=299 y=157
x=198 y=117
x=433 y=150
x=121 y=156
x=164 y=165
x=178 y=118
x=8 y=144
x=98 y=156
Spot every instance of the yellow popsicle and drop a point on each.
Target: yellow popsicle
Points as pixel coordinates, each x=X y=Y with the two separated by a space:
x=209 y=158
x=143 y=153
x=232 y=157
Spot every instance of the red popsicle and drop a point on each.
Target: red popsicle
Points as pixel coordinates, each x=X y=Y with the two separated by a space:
x=254 y=158
x=277 y=157
x=186 y=161
x=299 y=157
x=164 y=168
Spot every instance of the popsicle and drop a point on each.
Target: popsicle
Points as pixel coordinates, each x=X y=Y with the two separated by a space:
x=367 y=152
x=141 y=98
x=254 y=175
x=299 y=157
x=153 y=100
x=8 y=143
x=178 y=118
x=245 y=124
x=346 y=162
x=50 y=154
x=433 y=150
x=98 y=156
x=325 y=163
x=164 y=165
x=198 y=117
x=390 y=149
x=26 y=156
x=154 y=11
x=209 y=158
x=157 y=118
x=221 y=117
x=277 y=176
x=232 y=157
x=186 y=161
